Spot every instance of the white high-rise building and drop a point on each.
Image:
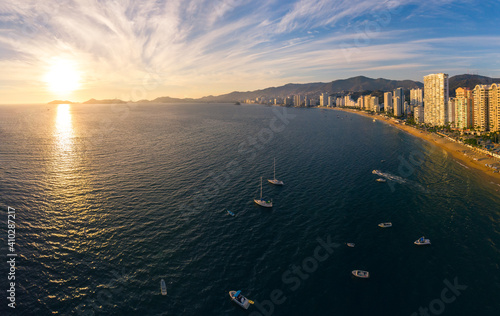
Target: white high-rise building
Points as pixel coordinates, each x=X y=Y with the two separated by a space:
x=398 y=110
x=416 y=97
x=374 y=104
x=436 y=90
x=398 y=99
x=419 y=114
x=323 y=99
x=388 y=102
x=297 y=100
x=451 y=111
x=361 y=102
x=339 y=102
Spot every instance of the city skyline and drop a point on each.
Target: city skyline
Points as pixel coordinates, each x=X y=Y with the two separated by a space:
x=134 y=51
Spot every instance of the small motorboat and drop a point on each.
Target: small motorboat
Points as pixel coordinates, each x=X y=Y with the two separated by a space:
x=385 y=225
x=361 y=274
x=422 y=241
x=350 y=244
x=163 y=287
x=381 y=180
x=382 y=160
x=239 y=299
x=230 y=213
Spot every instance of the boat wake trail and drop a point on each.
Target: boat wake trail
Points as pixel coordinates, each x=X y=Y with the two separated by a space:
x=397 y=179
x=389 y=176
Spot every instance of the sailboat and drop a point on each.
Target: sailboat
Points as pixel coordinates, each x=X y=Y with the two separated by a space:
x=275 y=181
x=261 y=201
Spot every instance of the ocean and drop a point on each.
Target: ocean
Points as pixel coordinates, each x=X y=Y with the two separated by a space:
x=110 y=199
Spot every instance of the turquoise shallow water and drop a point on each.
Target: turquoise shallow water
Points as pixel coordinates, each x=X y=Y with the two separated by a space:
x=111 y=199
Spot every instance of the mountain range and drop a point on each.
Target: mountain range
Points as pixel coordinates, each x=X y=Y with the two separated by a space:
x=356 y=86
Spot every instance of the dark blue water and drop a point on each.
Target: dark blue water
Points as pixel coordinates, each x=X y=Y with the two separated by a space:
x=111 y=199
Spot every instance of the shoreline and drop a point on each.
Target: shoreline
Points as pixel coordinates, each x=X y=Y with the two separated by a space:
x=462 y=154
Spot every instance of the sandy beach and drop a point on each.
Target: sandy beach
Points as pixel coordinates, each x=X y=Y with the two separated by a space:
x=463 y=154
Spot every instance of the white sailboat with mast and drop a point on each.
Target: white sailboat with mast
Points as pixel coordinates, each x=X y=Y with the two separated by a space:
x=261 y=201
x=274 y=180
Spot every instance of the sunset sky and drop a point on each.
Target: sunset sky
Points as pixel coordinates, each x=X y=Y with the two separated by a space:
x=135 y=50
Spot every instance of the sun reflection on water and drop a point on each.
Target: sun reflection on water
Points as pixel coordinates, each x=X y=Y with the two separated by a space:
x=64 y=129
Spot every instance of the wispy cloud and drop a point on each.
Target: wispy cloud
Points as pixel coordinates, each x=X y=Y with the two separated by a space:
x=197 y=47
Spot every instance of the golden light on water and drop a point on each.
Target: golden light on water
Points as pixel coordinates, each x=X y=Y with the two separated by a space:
x=64 y=128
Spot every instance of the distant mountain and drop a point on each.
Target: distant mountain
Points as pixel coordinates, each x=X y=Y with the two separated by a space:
x=469 y=81
x=105 y=101
x=173 y=100
x=355 y=86
x=344 y=86
x=61 y=102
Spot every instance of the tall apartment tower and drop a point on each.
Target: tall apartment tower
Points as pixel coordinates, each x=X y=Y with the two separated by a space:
x=481 y=117
x=436 y=97
x=416 y=97
x=494 y=107
x=387 y=102
x=374 y=104
x=464 y=108
x=419 y=114
x=296 y=100
x=451 y=111
x=398 y=98
x=323 y=99
x=330 y=102
x=361 y=102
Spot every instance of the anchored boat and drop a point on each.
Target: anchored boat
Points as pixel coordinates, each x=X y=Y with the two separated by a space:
x=385 y=225
x=274 y=180
x=422 y=241
x=361 y=274
x=261 y=201
x=163 y=287
x=239 y=299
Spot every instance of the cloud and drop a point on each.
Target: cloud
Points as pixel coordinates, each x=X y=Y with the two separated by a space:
x=212 y=47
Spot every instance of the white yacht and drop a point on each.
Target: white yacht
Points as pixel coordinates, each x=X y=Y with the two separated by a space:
x=274 y=180
x=261 y=201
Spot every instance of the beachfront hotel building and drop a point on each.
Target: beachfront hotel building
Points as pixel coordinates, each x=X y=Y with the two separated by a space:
x=419 y=114
x=348 y=101
x=323 y=99
x=464 y=108
x=416 y=97
x=436 y=88
x=451 y=111
x=296 y=100
x=487 y=107
x=361 y=102
x=494 y=107
x=398 y=99
x=368 y=102
x=388 y=102
x=481 y=107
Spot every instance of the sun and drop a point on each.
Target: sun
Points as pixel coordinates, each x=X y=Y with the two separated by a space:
x=63 y=77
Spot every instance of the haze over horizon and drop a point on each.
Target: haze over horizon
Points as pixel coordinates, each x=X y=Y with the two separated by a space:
x=128 y=50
